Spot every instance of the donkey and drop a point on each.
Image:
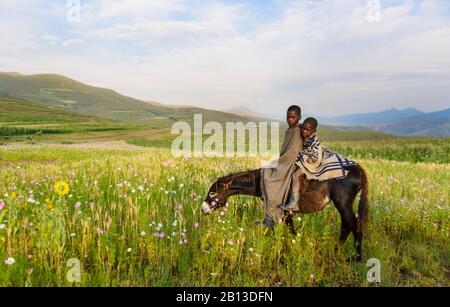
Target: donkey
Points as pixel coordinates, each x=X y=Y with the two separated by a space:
x=314 y=196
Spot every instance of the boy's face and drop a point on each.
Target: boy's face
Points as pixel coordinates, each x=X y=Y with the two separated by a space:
x=292 y=118
x=308 y=130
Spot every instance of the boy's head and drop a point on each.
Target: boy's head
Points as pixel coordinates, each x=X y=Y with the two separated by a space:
x=293 y=116
x=309 y=127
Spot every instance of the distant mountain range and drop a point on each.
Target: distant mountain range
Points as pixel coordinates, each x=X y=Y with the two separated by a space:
x=401 y=122
x=246 y=112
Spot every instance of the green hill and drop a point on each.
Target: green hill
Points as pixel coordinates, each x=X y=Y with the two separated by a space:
x=19 y=117
x=59 y=91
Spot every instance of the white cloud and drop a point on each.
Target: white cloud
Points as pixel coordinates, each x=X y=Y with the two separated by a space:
x=324 y=55
x=73 y=41
x=133 y=8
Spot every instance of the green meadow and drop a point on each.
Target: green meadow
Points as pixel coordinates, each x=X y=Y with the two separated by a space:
x=132 y=217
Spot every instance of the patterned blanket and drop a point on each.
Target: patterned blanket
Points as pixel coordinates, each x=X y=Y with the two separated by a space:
x=320 y=163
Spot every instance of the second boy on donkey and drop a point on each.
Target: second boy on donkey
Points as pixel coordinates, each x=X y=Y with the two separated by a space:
x=315 y=162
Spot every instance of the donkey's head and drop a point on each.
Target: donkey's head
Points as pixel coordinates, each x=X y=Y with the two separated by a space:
x=217 y=195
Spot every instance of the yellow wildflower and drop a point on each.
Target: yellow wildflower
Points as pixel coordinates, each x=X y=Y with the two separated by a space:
x=61 y=188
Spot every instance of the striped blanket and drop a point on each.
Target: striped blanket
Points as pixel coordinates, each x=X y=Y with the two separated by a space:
x=320 y=163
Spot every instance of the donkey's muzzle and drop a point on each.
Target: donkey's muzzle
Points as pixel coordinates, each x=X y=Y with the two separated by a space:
x=206 y=208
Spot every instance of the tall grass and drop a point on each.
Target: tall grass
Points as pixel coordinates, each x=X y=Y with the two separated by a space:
x=134 y=218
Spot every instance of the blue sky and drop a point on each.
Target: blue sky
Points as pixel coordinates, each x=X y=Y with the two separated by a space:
x=332 y=57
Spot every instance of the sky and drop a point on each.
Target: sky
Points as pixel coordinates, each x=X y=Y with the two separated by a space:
x=331 y=57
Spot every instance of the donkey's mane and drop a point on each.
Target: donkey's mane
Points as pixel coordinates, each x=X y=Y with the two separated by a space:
x=234 y=175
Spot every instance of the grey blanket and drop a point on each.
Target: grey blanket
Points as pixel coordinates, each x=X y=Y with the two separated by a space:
x=276 y=181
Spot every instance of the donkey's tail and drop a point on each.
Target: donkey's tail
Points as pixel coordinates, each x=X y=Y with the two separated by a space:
x=363 y=208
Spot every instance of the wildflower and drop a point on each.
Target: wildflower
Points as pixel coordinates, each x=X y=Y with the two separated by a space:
x=143 y=233
x=160 y=225
x=251 y=249
x=162 y=235
x=196 y=225
x=129 y=250
x=2 y=204
x=73 y=234
x=230 y=242
x=61 y=188
x=77 y=205
x=181 y=185
x=311 y=276
x=49 y=203
x=100 y=231
x=10 y=261
x=174 y=224
x=2 y=226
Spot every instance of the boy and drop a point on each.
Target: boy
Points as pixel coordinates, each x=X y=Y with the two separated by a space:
x=316 y=162
x=276 y=181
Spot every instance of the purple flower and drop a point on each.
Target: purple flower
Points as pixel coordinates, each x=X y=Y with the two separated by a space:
x=162 y=235
x=230 y=242
x=77 y=205
x=196 y=225
x=2 y=204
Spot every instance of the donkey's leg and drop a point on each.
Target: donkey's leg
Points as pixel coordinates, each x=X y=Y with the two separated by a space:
x=344 y=204
x=346 y=224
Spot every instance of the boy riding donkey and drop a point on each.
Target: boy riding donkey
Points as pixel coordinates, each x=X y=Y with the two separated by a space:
x=276 y=181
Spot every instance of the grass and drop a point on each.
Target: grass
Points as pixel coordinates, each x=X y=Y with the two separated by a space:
x=435 y=150
x=20 y=118
x=109 y=221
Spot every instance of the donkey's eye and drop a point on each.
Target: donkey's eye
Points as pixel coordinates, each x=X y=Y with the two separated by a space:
x=212 y=194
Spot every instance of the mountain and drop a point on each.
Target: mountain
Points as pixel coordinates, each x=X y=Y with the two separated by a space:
x=379 y=118
x=407 y=122
x=427 y=124
x=59 y=91
x=246 y=112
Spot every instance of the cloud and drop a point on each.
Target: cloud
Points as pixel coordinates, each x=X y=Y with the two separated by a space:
x=73 y=41
x=137 y=8
x=325 y=55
